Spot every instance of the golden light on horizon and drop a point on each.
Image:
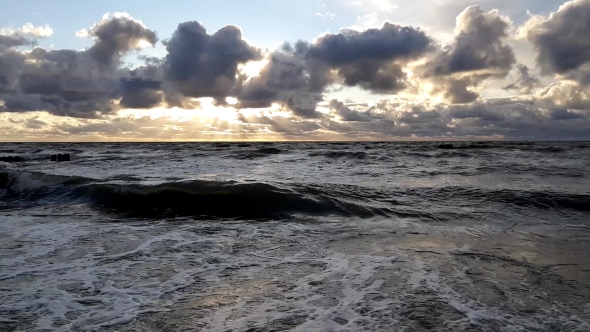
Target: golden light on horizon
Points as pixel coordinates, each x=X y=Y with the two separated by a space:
x=207 y=113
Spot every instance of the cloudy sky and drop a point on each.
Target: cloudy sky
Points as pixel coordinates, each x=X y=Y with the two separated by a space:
x=294 y=70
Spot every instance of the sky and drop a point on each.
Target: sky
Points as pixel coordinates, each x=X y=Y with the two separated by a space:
x=294 y=70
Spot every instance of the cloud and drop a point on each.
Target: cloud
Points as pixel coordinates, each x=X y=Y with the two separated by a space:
x=12 y=38
x=202 y=65
x=326 y=15
x=478 y=45
x=477 y=53
x=456 y=91
x=296 y=75
x=525 y=81
x=88 y=83
x=11 y=41
x=346 y=114
x=29 y=30
x=37 y=31
x=423 y=89
x=565 y=95
x=288 y=79
x=561 y=39
x=140 y=93
x=116 y=35
x=371 y=59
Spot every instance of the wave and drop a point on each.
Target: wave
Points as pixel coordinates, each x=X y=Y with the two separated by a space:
x=438 y=155
x=18 y=184
x=259 y=153
x=206 y=199
x=340 y=154
x=235 y=200
x=269 y=150
x=543 y=200
x=200 y=199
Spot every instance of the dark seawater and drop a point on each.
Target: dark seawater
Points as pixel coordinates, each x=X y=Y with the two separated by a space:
x=295 y=236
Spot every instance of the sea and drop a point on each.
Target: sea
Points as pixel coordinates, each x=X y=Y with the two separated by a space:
x=301 y=236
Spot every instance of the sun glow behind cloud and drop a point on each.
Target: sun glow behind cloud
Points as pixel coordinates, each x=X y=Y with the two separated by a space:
x=253 y=68
x=208 y=112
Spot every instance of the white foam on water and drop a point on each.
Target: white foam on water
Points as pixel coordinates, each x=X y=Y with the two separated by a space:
x=93 y=276
x=479 y=314
x=352 y=275
x=55 y=256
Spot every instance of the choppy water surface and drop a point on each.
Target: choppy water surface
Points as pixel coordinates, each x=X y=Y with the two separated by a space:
x=295 y=236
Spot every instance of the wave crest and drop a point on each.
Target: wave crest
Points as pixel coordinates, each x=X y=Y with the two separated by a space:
x=205 y=199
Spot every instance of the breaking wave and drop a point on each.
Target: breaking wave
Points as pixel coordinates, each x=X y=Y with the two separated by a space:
x=256 y=200
x=206 y=199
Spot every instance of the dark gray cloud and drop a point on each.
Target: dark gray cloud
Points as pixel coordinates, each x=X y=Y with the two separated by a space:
x=10 y=63
x=563 y=114
x=285 y=74
x=347 y=114
x=511 y=118
x=80 y=83
x=203 y=65
x=289 y=80
x=374 y=76
x=456 y=91
x=116 y=36
x=140 y=93
x=56 y=106
x=371 y=59
x=299 y=73
x=65 y=83
x=16 y=103
x=389 y=43
x=11 y=59
x=11 y=41
x=562 y=38
x=525 y=82
x=12 y=38
x=478 y=45
x=478 y=52
x=304 y=106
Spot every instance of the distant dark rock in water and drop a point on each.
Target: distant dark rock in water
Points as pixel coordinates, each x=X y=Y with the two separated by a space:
x=270 y=150
x=446 y=147
x=244 y=145
x=61 y=157
x=12 y=159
